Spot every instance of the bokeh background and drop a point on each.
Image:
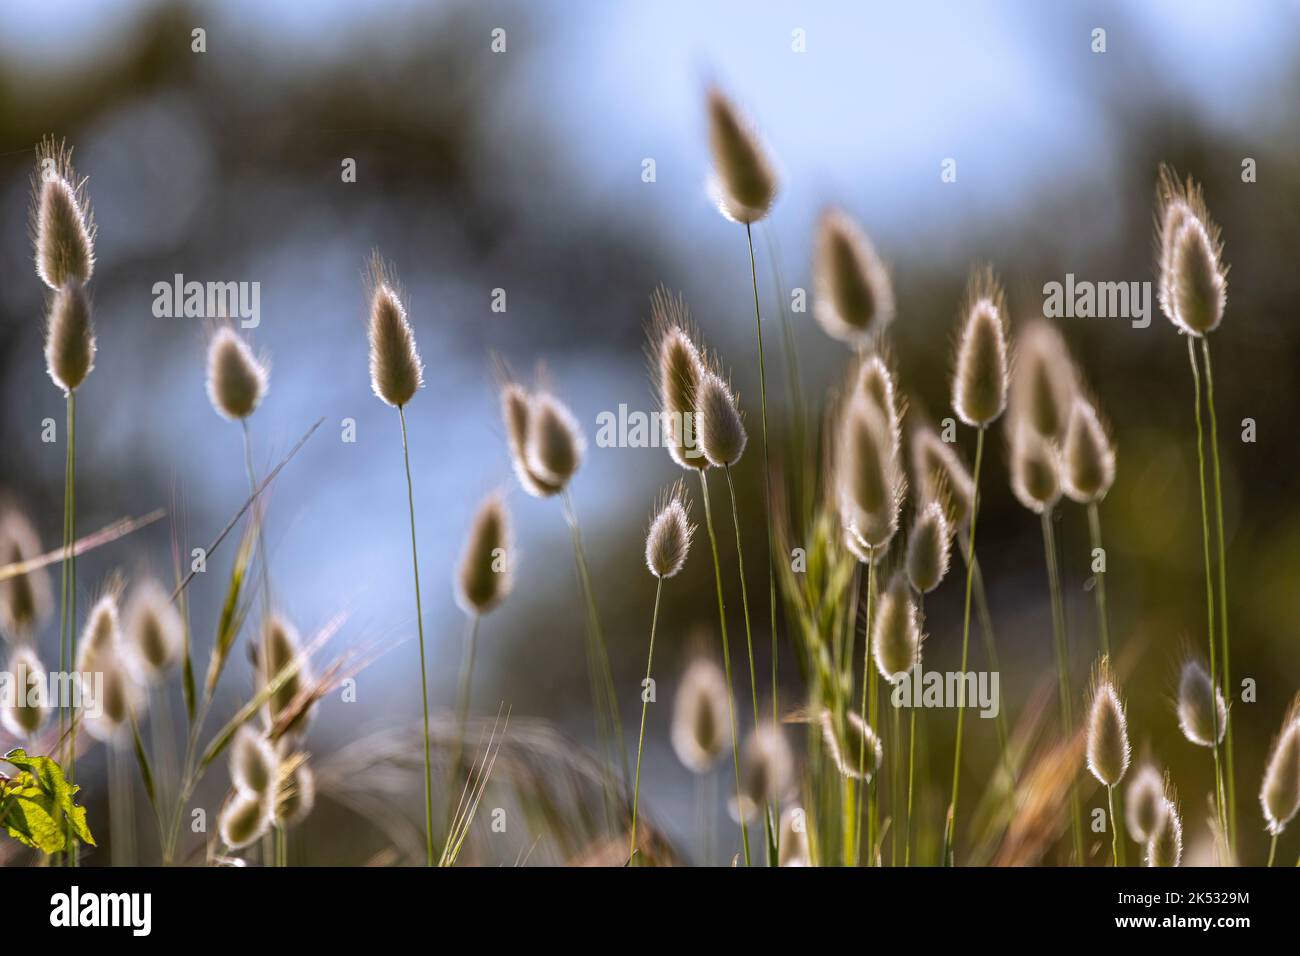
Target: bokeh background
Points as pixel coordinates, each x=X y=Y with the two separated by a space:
x=522 y=171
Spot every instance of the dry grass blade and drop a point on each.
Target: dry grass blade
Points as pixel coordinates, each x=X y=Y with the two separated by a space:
x=105 y=535
x=475 y=786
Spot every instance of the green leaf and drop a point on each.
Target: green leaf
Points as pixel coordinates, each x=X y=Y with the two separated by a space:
x=37 y=807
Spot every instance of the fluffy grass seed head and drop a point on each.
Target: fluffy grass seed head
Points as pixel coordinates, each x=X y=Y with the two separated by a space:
x=896 y=632
x=721 y=428
x=875 y=382
x=940 y=476
x=63 y=225
x=486 y=572
x=154 y=633
x=1087 y=455
x=24 y=598
x=852 y=746
x=744 y=183
x=979 y=387
x=1035 y=468
x=555 y=443
x=254 y=764
x=237 y=379
x=794 y=838
x=852 y=295
x=1107 y=730
x=677 y=368
x=244 y=820
x=1201 y=710
x=69 y=337
x=516 y=411
x=280 y=647
x=396 y=372
x=701 y=729
x=766 y=771
x=1279 y=794
x=1189 y=251
x=1165 y=845
x=669 y=539
x=871 y=482
x=929 y=548
x=1043 y=384
x=296 y=794
x=109 y=693
x=1145 y=803
x=27 y=706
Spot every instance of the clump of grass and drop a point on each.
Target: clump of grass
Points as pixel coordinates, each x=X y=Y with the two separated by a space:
x=1107 y=742
x=1279 y=793
x=853 y=297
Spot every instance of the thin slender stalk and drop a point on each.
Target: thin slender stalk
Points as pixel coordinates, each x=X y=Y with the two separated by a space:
x=65 y=578
x=1062 y=669
x=72 y=591
x=645 y=705
x=1223 y=589
x=419 y=620
x=1209 y=583
x=950 y=829
x=862 y=738
x=264 y=558
x=991 y=650
x=1103 y=621
x=462 y=704
x=1272 y=850
x=911 y=767
x=1114 y=827
x=726 y=652
x=895 y=790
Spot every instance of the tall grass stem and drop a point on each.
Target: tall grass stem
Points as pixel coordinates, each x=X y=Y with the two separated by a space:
x=645 y=704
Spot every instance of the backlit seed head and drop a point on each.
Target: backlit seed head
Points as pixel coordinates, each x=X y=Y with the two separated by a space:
x=486 y=573
x=896 y=632
x=871 y=482
x=24 y=598
x=1107 y=737
x=62 y=220
x=280 y=647
x=254 y=765
x=677 y=368
x=853 y=298
x=109 y=694
x=1087 y=457
x=701 y=729
x=744 y=183
x=1145 y=803
x=516 y=411
x=69 y=338
x=1279 y=794
x=1193 y=278
x=24 y=710
x=396 y=372
x=766 y=771
x=669 y=539
x=794 y=838
x=720 y=427
x=855 y=748
x=979 y=387
x=1043 y=385
x=1035 y=469
x=928 y=548
x=154 y=633
x=237 y=379
x=1202 y=715
x=875 y=382
x=940 y=476
x=297 y=791
x=555 y=442
x=1165 y=845
x=244 y=820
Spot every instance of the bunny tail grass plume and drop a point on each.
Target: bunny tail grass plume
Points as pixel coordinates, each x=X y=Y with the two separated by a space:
x=24 y=598
x=486 y=573
x=1043 y=384
x=677 y=368
x=846 y=743
x=1145 y=802
x=1035 y=469
x=26 y=707
x=555 y=443
x=396 y=372
x=701 y=728
x=1165 y=845
x=940 y=476
x=1193 y=278
x=237 y=379
x=62 y=222
x=875 y=382
x=1202 y=715
x=871 y=483
x=766 y=772
x=1087 y=455
x=154 y=633
x=1107 y=733
x=794 y=838
x=928 y=548
x=1279 y=794
x=853 y=297
x=669 y=540
x=69 y=338
x=743 y=184
x=896 y=633
x=296 y=795
x=254 y=765
x=281 y=647
x=107 y=709
x=721 y=430
x=516 y=412
x=979 y=388
x=244 y=820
